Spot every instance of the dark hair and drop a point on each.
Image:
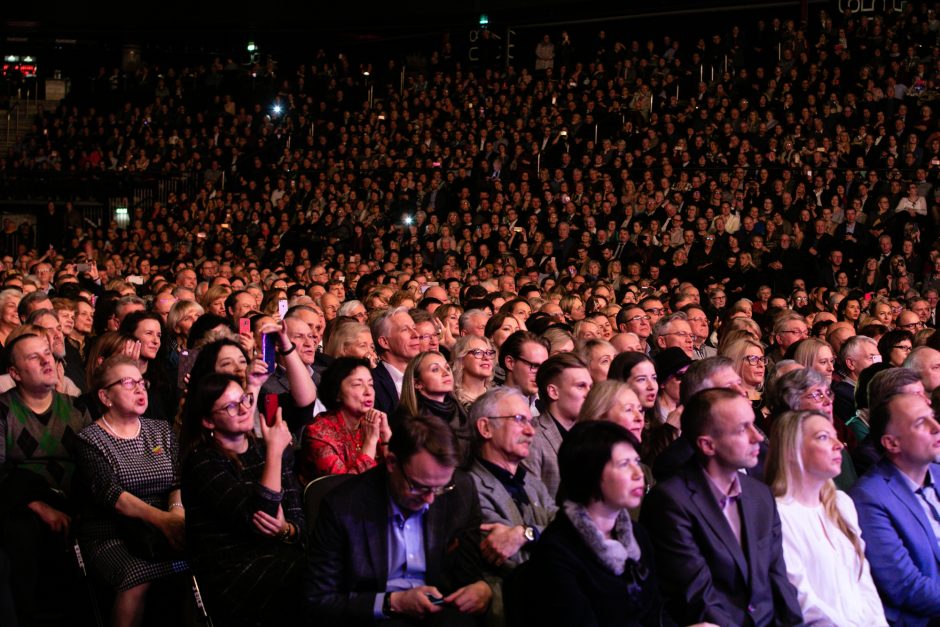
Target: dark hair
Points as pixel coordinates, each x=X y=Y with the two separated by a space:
x=697 y=417
x=203 y=324
x=878 y=418
x=864 y=379
x=414 y=434
x=333 y=378
x=495 y=322
x=205 y=361
x=624 y=363
x=584 y=454
x=193 y=435
x=129 y=326
x=512 y=346
x=552 y=368
x=890 y=339
x=232 y=299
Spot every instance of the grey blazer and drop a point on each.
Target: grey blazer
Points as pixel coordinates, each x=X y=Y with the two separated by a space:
x=543 y=453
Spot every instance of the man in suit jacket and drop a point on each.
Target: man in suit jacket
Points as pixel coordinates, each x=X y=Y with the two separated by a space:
x=899 y=509
x=716 y=531
x=388 y=545
x=396 y=338
x=564 y=382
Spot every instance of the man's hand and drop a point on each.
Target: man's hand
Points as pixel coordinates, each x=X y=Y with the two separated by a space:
x=415 y=602
x=501 y=542
x=472 y=599
x=59 y=522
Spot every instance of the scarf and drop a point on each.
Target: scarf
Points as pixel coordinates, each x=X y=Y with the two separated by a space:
x=446 y=409
x=612 y=553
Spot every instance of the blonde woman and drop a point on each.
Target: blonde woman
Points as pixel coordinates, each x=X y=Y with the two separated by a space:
x=822 y=544
x=473 y=360
x=560 y=340
x=750 y=364
x=352 y=339
x=428 y=389
x=213 y=300
x=614 y=401
x=816 y=354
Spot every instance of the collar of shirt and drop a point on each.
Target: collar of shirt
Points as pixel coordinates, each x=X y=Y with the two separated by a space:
x=928 y=483
x=733 y=494
x=514 y=484
x=398 y=517
x=397 y=375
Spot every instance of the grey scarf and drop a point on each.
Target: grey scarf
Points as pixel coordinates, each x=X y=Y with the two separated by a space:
x=612 y=553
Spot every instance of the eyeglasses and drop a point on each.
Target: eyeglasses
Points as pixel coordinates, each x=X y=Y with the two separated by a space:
x=531 y=364
x=247 y=401
x=755 y=359
x=655 y=310
x=519 y=419
x=638 y=318
x=903 y=347
x=800 y=332
x=129 y=384
x=417 y=489
x=912 y=325
x=819 y=395
x=479 y=353
x=428 y=337
x=682 y=334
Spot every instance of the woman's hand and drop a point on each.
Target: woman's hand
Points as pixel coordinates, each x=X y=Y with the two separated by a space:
x=268 y=525
x=277 y=437
x=371 y=425
x=385 y=431
x=257 y=374
x=173 y=526
x=132 y=349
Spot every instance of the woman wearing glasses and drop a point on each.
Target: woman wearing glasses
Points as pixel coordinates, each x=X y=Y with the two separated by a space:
x=895 y=345
x=134 y=529
x=351 y=436
x=244 y=514
x=473 y=362
x=750 y=364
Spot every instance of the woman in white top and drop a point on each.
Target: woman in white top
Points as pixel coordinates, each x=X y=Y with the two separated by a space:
x=822 y=544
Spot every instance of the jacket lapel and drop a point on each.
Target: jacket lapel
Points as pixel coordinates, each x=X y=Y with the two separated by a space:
x=550 y=430
x=501 y=495
x=374 y=518
x=900 y=488
x=702 y=498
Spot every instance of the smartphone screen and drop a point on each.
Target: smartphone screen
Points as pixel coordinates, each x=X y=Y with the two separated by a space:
x=187 y=359
x=267 y=351
x=282 y=308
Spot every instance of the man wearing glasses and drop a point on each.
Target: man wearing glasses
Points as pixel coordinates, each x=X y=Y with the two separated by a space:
x=856 y=354
x=400 y=544
x=789 y=328
x=635 y=320
x=516 y=504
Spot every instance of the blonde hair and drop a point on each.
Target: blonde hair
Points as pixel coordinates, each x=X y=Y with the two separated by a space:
x=736 y=350
x=213 y=294
x=808 y=350
x=460 y=350
x=409 y=397
x=785 y=464
x=342 y=336
x=180 y=310
x=601 y=399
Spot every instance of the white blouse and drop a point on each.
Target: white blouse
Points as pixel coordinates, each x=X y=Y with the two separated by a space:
x=824 y=568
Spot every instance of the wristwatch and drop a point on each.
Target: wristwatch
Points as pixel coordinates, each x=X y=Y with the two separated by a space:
x=531 y=533
x=387 y=605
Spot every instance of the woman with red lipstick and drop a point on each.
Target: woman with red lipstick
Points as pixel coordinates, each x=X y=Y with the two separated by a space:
x=130 y=465
x=822 y=543
x=351 y=436
x=428 y=389
x=596 y=563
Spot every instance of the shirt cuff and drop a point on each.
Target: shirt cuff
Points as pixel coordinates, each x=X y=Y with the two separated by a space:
x=377 y=606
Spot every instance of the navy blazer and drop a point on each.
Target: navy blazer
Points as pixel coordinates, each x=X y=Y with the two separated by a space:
x=386 y=394
x=705 y=573
x=347 y=554
x=900 y=544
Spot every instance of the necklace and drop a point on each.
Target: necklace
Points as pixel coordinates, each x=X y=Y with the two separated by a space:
x=114 y=431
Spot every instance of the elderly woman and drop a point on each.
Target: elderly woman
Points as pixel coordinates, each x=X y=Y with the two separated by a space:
x=352 y=340
x=597 y=354
x=806 y=389
x=822 y=543
x=9 y=318
x=244 y=515
x=351 y=436
x=134 y=532
x=596 y=563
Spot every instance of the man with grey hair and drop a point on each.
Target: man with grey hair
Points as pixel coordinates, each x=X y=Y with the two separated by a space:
x=515 y=504
x=354 y=309
x=674 y=330
x=925 y=361
x=396 y=339
x=789 y=328
x=473 y=322
x=857 y=353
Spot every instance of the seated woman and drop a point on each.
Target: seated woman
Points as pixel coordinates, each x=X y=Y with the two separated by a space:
x=147 y=329
x=894 y=346
x=244 y=514
x=639 y=372
x=351 y=340
x=130 y=465
x=806 y=389
x=592 y=566
x=822 y=544
x=750 y=364
x=472 y=361
x=428 y=389
x=597 y=354
x=817 y=355
x=350 y=437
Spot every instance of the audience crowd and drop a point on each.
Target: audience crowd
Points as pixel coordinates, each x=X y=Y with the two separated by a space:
x=631 y=333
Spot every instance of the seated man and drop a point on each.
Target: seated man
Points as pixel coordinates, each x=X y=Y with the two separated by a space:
x=716 y=531
x=38 y=428
x=400 y=544
x=898 y=505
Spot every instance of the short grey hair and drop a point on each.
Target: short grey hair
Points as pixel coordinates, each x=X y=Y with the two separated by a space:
x=915 y=360
x=348 y=306
x=698 y=376
x=488 y=405
x=852 y=346
x=662 y=326
x=468 y=315
x=382 y=324
x=787 y=390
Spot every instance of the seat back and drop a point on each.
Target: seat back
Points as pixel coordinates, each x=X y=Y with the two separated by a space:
x=314 y=493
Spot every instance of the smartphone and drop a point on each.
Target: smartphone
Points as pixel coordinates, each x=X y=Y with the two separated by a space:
x=281 y=308
x=270 y=409
x=83 y=267
x=434 y=600
x=244 y=326
x=187 y=359
x=267 y=350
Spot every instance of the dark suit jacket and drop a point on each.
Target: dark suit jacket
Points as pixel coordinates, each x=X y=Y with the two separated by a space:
x=347 y=555
x=705 y=574
x=386 y=395
x=900 y=544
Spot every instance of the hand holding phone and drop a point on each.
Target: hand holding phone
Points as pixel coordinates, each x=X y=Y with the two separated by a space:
x=268 y=353
x=244 y=326
x=270 y=409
